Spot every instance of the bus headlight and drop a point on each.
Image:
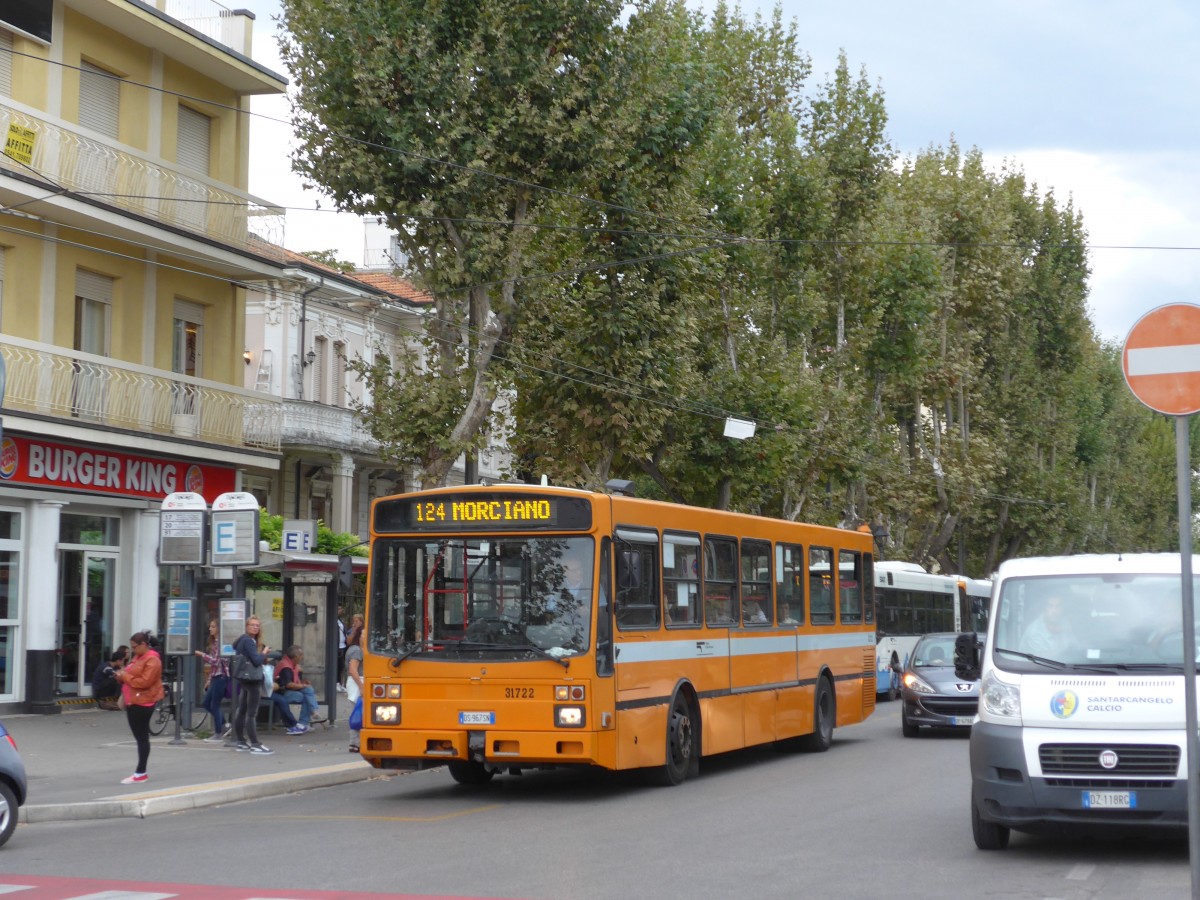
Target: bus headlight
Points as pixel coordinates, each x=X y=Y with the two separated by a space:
x=385 y=713
x=1000 y=699
x=568 y=716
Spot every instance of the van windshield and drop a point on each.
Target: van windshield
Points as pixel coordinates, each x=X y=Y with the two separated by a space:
x=1090 y=621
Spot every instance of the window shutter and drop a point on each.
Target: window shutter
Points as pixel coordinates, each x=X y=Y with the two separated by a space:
x=99 y=100
x=194 y=138
x=93 y=286
x=6 y=62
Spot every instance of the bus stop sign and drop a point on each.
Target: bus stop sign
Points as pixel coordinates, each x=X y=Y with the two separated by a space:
x=1161 y=359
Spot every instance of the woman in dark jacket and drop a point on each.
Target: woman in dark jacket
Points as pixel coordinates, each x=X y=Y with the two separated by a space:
x=245 y=720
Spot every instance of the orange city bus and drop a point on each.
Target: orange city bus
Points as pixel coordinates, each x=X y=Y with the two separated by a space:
x=515 y=627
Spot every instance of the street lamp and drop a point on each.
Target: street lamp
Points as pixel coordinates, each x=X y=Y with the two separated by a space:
x=310 y=357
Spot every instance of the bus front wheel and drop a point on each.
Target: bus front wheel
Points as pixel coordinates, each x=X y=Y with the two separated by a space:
x=470 y=772
x=681 y=743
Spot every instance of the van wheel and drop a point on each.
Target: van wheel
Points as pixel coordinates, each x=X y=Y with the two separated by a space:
x=470 y=772
x=988 y=835
x=824 y=713
x=681 y=744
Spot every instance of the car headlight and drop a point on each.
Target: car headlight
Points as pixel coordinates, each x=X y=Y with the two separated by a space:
x=915 y=682
x=1000 y=699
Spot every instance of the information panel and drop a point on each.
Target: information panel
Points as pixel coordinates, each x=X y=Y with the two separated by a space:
x=181 y=529
x=179 y=626
x=233 y=624
x=479 y=511
x=233 y=539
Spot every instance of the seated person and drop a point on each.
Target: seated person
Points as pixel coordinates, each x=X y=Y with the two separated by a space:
x=752 y=611
x=292 y=687
x=785 y=614
x=717 y=612
x=105 y=687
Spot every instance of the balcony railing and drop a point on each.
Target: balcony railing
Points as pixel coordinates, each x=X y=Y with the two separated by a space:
x=331 y=427
x=95 y=390
x=140 y=185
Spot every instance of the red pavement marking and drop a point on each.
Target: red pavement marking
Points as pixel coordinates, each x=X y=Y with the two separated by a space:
x=43 y=887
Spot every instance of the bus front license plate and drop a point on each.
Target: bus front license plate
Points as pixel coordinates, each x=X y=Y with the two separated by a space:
x=1109 y=800
x=476 y=718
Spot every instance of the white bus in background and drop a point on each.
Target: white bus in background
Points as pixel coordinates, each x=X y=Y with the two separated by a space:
x=910 y=603
x=1081 y=697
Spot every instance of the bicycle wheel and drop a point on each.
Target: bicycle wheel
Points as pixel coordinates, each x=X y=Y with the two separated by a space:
x=199 y=718
x=161 y=715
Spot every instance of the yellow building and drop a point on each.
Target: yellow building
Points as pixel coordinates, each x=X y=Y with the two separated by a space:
x=127 y=240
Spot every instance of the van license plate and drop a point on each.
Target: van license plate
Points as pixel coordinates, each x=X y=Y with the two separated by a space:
x=476 y=718
x=1109 y=800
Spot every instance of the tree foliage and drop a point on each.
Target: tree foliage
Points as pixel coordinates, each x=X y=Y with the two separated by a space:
x=637 y=222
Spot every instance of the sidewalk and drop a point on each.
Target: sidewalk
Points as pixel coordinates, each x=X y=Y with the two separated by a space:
x=75 y=762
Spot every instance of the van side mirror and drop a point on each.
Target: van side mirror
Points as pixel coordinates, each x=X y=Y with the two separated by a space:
x=966 y=656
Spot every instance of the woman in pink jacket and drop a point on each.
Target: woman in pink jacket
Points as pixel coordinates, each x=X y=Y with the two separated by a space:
x=141 y=688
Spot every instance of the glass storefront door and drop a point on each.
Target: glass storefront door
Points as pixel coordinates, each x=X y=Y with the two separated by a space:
x=85 y=620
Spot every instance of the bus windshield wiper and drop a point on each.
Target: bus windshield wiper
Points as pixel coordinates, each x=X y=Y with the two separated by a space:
x=565 y=663
x=414 y=647
x=1052 y=663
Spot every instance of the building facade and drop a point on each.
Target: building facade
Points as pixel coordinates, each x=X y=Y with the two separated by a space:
x=127 y=243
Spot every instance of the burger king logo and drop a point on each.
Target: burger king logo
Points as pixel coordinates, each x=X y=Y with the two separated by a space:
x=194 y=480
x=1063 y=704
x=10 y=458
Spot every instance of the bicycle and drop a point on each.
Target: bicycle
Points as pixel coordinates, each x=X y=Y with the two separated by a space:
x=168 y=708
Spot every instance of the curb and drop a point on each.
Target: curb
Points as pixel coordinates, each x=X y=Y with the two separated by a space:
x=153 y=803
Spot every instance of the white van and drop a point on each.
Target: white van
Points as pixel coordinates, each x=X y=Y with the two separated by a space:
x=1081 y=709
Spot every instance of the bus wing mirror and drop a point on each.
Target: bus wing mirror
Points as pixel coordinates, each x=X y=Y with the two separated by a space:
x=345 y=572
x=966 y=656
x=629 y=570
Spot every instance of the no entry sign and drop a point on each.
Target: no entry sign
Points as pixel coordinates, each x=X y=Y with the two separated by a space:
x=1161 y=360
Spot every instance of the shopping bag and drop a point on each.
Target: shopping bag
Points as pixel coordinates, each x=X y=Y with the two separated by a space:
x=356 y=714
x=268 y=679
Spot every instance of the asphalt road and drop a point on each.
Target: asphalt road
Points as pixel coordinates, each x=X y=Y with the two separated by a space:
x=876 y=816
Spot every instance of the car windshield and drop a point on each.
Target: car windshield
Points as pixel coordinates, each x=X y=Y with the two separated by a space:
x=481 y=597
x=1090 y=622
x=934 y=650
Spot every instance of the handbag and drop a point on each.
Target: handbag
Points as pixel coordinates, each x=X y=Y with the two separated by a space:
x=268 y=677
x=246 y=671
x=356 y=714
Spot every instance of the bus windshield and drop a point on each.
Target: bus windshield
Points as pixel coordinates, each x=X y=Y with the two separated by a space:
x=1090 y=622
x=486 y=597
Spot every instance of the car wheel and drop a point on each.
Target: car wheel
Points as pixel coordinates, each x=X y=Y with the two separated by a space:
x=988 y=835
x=907 y=728
x=8 y=812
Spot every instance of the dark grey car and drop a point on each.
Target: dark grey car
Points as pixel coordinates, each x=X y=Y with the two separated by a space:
x=12 y=784
x=930 y=691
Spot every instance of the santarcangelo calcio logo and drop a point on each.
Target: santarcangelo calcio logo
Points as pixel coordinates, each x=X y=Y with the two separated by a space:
x=10 y=458
x=1063 y=704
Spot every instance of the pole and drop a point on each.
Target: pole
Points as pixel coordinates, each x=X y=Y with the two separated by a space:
x=1183 y=473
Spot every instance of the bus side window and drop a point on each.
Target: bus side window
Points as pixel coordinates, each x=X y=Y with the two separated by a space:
x=821 y=584
x=789 y=583
x=850 y=592
x=681 y=578
x=756 y=583
x=637 y=603
x=604 y=628
x=720 y=581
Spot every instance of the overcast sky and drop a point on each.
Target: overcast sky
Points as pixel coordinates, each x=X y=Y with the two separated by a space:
x=1097 y=100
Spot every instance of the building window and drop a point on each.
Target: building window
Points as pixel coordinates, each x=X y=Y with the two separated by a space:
x=99 y=100
x=6 y=62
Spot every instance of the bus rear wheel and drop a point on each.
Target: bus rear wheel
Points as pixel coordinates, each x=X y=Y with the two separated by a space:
x=824 y=714
x=467 y=771
x=681 y=743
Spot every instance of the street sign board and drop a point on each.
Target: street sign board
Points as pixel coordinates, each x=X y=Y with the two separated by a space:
x=234 y=530
x=181 y=529
x=1161 y=359
x=179 y=626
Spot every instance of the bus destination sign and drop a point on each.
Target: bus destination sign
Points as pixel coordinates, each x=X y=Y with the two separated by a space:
x=483 y=512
